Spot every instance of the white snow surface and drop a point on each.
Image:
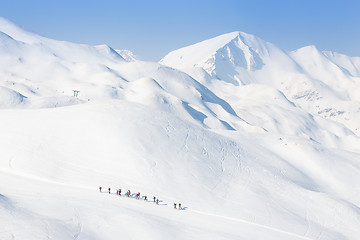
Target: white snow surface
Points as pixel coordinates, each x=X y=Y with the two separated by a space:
x=254 y=142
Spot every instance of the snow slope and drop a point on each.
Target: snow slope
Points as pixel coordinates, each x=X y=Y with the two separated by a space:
x=246 y=159
x=62 y=155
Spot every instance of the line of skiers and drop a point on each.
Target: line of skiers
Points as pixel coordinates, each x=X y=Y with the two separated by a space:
x=137 y=196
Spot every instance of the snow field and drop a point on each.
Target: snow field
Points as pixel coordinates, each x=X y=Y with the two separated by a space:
x=253 y=181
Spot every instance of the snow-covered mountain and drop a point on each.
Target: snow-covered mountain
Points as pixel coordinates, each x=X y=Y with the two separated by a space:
x=322 y=83
x=256 y=143
x=43 y=73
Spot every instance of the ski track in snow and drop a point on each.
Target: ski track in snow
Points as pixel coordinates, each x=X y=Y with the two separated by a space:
x=254 y=224
x=248 y=222
x=79 y=225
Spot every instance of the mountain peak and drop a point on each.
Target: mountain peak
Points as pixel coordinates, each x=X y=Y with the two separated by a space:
x=235 y=50
x=189 y=56
x=311 y=49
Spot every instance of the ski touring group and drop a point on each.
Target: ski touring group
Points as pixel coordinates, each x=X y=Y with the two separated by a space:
x=138 y=196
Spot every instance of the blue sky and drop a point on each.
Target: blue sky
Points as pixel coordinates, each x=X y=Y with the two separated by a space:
x=151 y=29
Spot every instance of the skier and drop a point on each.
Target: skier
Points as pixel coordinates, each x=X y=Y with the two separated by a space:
x=138 y=195
x=128 y=193
x=119 y=191
x=179 y=206
x=100 y=188
x=145 y=198
x=175 y=205
x=157 y=201
x=154 y=199
x=109 y=190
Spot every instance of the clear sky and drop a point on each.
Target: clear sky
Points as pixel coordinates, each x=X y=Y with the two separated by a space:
x=152 y=28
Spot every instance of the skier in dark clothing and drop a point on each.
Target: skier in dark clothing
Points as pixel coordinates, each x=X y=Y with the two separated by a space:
x=109 y=190
x=179 y=206
x=175 y=205
x=154 y=199
x=100 y=188
x=119 y=192
x=157 y=201
x=145 y=198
